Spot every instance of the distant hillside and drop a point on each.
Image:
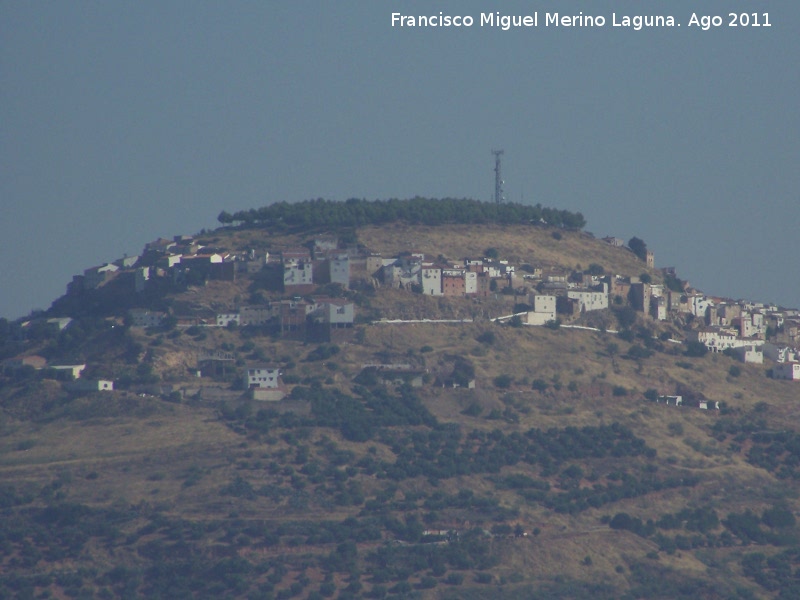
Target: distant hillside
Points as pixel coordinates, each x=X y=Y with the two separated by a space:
x=458 y=459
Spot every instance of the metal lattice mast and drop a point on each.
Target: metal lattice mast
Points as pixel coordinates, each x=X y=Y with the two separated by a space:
x=498 y=179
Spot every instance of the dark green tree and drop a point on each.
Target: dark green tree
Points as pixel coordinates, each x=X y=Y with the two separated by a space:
x=638 y=247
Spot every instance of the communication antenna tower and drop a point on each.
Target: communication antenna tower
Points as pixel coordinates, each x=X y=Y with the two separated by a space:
x=498 y=179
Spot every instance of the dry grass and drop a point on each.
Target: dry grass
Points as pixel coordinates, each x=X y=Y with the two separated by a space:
x=516 y=243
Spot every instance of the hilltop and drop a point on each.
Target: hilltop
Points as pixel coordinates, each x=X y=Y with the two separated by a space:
x=298 y=411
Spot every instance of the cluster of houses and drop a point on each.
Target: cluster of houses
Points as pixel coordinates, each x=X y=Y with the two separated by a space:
x=318 y=318
x=702 y=404
x=185 y=259
x=752 y=332
x=70 y=375
x=749 y=331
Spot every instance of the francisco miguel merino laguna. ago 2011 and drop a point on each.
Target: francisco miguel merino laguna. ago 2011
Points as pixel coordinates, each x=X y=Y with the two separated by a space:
x=636 y=22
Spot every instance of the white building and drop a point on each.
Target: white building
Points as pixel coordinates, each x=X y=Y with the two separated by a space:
x=140 y=278
x=402 y=273
x=90 y=385
x=749 y=354
x=340 y=270
x=543 y=303
x=780 y=353
x=141 y=317
x=126 y=262
x=752 y=324
x=169 y=261
x=225 y=319
x=60 y=323
x=69 y=371
x=96 y=276
x=335 y=314
x=544 y=309
x=299 y=272
x=470 y=283
x=699 y=305
x=658 y=308
x=432 y=281
x=262 y=377
x=789 y=370
x=718 y=340
x=589 y=299
x=257 y=315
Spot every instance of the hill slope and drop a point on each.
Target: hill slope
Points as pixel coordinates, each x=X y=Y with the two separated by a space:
x=554 y=477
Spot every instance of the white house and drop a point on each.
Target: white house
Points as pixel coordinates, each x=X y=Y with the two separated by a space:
x=298 y=273
x=589 y=299
x=432 y=281
x=141 y=317
x=60 y=323
x=788 y=370
x=717 y=340
x=749 y=354
x=658 y=308
x=225 y=319
x=402 y=272
x=671 y=400
x=69 y=371
x=262 y=377
x=543 y=303
x=126 y=262
x=544 y=309
x=170 y=260
x=470 y=283
x=752 y=324
x=91 y=385
x=494 y=272
x=257 y=315
x=96 y=276
x=340 y=270
x=780 y=353
x=699 y=305
x=140 y=278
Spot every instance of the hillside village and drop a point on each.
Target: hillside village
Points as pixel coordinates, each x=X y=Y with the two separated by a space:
x=305 y=293
x=403 y=411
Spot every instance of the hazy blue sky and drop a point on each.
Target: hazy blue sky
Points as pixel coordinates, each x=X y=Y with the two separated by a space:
x=124 y=121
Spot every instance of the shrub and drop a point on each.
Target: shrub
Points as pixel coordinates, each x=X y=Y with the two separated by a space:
x=539 y=385
x=778 y=517
x=483 y=578
x=696 y=349
x=473 y=410
x=503 y=381
x=626 y=317
x=322 y=352
x=638 y=352
x=627 y=335
x=427 y=582
x=595 y=269
x=515 y=321
x=735 y=371
x=675 y=428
